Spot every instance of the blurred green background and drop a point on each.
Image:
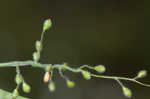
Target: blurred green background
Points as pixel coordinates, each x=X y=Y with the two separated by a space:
x=108 y=32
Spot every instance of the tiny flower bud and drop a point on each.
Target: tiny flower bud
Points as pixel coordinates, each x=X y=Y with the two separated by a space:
x=26 y=87
x=38 y=46
x=46 y=77
x=70 y=84
x=15 y=94
x=48 y=68
x=86 y=75
x=47 y=24
x=142 y=74
x=127 y=92
x=18 y=79
x=36 y=56
x=51 y=86
x=100 y=68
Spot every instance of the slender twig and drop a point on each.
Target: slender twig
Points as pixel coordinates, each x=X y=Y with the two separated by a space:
x=86 y=66
x=62 y=66
x=120 y=78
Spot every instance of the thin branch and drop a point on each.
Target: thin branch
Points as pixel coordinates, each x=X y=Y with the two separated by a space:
x=22 y=63
x=86 y=66
x=120 y=78
x=62 y=66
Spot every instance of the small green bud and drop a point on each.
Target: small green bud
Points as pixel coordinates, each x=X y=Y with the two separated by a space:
x=51 y=86
x=38 y=46
x=36 y=56
x=15 y=94
x=70 y=84
x=47 y=24
x=48 y=68
x=86 y=75
x=100 y=68
x=127 y=92
x=26 y=87
x=18 y=79
x=142 y=74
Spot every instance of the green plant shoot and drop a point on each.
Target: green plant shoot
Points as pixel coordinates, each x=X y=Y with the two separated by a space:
x=49 y=68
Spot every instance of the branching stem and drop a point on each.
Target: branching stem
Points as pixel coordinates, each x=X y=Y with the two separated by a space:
x=60 y=67
x=65 y=67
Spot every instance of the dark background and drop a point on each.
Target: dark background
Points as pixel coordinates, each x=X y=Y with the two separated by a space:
x=108 y=32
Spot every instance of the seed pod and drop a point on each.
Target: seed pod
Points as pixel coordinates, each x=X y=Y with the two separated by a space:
x=86 y=75
x=26 y=87
x=70 y=84
x=36 y=56
x=46 y=77
x=38 y=46
x=100 y=68
x=15 y=94
x=51 y=86
x=18 y=79
x=127 y=92
x=142 y=74
x=47 y=24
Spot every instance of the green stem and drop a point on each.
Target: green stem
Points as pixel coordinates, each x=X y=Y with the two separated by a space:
x=120 y=78
x=22 y=63
x=64 y=67
x=120 y=83
x=42 y=35
x=86 y=66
